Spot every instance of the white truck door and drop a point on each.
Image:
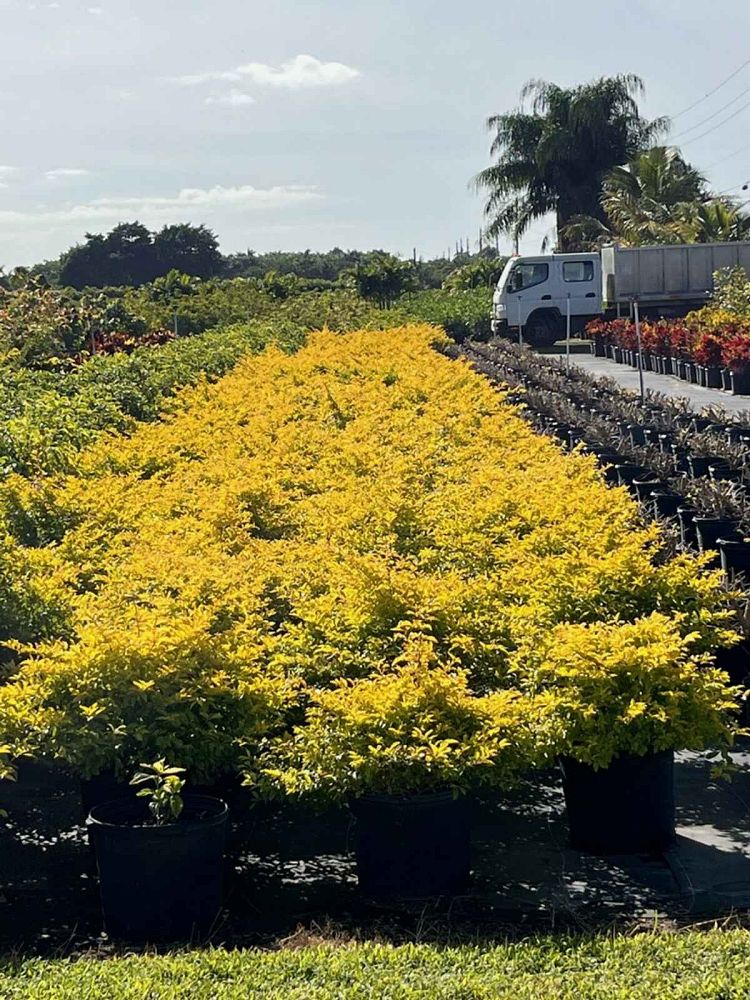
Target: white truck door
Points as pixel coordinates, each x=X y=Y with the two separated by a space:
x=529 y=287
x=581 y=280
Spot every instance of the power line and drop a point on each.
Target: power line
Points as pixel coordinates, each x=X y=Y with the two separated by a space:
x=710 y=93
x=712 y=115
x=742 y=184
x=729 y=156
x=719 y=125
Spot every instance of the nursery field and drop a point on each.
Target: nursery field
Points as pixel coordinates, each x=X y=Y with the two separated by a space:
x=350 y=573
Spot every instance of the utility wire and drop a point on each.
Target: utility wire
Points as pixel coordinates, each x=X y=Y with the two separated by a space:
x=729 y=156
x=742 y=184
x=710 y=93
x=718 y=125
x=712 y=115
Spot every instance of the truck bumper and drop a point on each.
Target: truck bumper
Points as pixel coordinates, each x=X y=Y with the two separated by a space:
x=499 y=327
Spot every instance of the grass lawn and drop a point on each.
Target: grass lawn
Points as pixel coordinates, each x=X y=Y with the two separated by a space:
x=689 y=965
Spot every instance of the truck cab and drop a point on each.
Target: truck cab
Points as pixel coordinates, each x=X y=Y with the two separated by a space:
x=533 y=293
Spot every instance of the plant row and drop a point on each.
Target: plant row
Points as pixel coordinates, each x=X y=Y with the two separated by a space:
x=351 y=569
x=714 y=354
x=690 y=468
x=47 y=417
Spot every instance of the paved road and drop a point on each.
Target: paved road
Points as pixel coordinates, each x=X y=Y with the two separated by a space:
x=628 y=379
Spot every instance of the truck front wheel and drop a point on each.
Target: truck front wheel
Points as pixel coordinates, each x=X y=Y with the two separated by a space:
x=540 y=332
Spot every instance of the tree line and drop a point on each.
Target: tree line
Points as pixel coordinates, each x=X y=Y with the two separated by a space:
x=131 y=255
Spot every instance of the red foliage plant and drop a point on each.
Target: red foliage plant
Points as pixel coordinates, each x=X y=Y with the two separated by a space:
x=735 y=352
x=708 y=349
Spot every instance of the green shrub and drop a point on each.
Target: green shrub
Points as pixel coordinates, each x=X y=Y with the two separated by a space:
x=462 y=314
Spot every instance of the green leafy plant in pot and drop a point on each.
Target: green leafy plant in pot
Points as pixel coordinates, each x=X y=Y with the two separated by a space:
x=629 y=695
x=160 y=858
x=403 y=748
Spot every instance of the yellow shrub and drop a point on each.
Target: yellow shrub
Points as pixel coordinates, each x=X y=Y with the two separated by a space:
x=300 y=520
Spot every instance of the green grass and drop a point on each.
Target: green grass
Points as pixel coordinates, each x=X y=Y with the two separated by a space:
x=680 y=966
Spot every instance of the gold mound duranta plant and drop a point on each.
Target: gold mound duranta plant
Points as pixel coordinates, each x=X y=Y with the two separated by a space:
x=205 y=583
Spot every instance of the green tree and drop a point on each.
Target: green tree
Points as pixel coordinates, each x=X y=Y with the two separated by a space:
x=383 y=278
x=124 y=256
x=189 y=249
x=481 y=272
x=553 y=158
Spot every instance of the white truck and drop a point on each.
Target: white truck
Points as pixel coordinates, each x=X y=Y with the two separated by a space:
x=535 y=293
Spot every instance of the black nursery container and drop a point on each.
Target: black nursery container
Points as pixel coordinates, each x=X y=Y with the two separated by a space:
x=740 y=382
x=688 y=534
x=626 y=473
x=644 y=488
x=414 y=846
x=699 y=464
x=710 y=529
x=665 y=504
x=626 y=808
x=735 y=557
x=159 y=883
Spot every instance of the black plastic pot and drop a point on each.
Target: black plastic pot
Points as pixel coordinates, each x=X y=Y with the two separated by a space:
x=698 y=464
x=712 y=377
x=666 y=441
x=665 y=504
x=626 y=473
x=413 y=846
x=735 y=557
x=626 y=808
x=710 y=529
x=645 y=487
x=604 y=455
x=159 y=883
x=722 y=472
x=699 y=423
x=726 y=380
x=679 y=455
x=735 y=660
x=740 y=382
x=688 y=534
x=637 y=433
x=733 y=434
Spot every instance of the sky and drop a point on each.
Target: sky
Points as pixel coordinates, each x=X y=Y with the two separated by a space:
x=287 y=124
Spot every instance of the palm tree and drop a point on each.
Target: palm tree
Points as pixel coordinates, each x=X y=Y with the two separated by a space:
x=641 y=199
x=658 y=198
x=717 y=220
x=554 y=157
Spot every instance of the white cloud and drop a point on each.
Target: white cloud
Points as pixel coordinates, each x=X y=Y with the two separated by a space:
x=302 y=71
x=5 y=174
x=95 y=10
x=190 y=204
x=232 y=99
x=62 y=172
